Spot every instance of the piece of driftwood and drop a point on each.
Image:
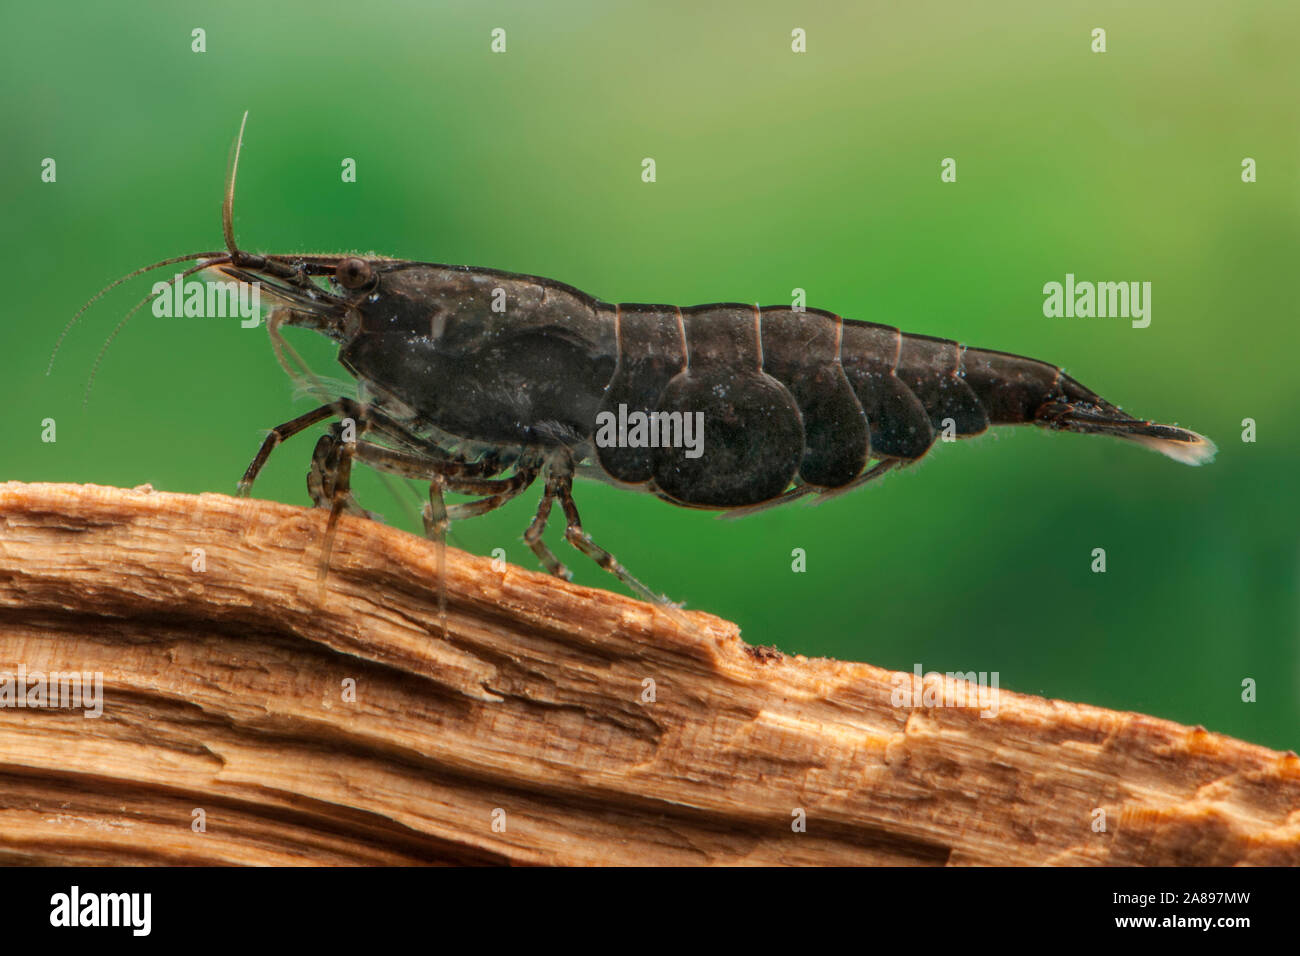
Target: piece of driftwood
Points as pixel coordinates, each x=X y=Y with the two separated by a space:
x=252 y=715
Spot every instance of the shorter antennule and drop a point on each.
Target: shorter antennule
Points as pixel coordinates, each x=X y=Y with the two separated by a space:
x=99 y=358
x=113 y=285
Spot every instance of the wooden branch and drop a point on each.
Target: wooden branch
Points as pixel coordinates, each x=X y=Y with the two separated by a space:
x=224 y=691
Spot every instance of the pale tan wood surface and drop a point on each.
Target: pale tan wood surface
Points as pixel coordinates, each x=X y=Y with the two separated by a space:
x=224 y=691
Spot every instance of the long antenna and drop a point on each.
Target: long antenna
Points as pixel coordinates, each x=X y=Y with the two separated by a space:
x=228 y=204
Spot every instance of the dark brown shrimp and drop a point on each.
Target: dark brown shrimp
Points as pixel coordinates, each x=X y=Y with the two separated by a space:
x=483 y=382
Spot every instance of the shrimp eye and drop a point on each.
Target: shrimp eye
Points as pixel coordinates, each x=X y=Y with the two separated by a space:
x=353 y=273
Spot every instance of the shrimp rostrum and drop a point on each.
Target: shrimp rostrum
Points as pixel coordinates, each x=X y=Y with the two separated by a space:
x=482 y=383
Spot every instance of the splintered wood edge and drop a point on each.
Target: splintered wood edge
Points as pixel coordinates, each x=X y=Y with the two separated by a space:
x=253 y=715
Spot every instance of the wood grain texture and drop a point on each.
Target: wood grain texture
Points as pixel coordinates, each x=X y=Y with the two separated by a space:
x=223 y=691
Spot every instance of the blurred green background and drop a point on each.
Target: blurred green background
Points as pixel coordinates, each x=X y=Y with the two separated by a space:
x=775 y=170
